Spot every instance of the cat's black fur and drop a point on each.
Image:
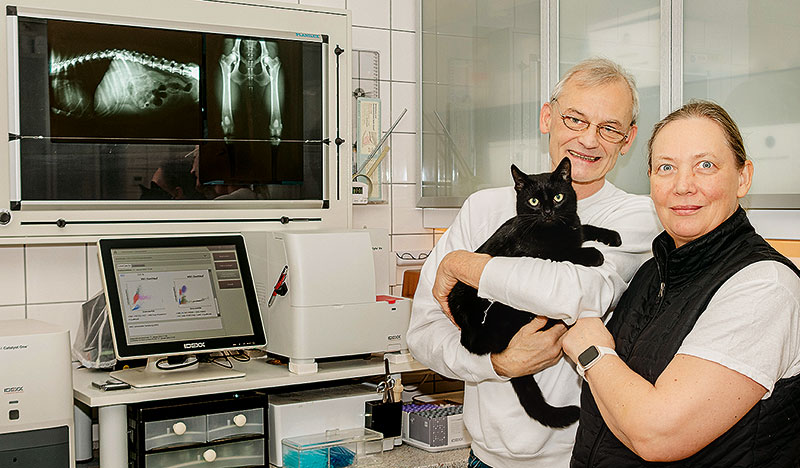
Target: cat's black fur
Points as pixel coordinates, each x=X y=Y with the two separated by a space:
x=543 y=228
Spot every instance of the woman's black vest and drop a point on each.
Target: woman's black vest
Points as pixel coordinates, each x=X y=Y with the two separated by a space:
x=659 y=309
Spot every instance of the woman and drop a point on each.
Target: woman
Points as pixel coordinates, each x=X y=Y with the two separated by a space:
x=707 y=334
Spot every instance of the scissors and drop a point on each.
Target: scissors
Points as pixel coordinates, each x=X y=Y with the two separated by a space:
x=387 y=385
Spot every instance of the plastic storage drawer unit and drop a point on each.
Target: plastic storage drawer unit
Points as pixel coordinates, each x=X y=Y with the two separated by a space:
x=210 y=431
x=174 y=432
x=229 y=455
x=235 y=424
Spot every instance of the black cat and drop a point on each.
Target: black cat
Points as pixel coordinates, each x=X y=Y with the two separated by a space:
x=546 y=226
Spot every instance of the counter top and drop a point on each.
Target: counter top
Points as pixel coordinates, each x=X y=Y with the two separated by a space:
x=259 y=374
x=406 y=456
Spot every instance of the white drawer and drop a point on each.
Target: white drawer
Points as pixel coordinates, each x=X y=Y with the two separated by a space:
x=230 y=455
x=174 y=432
x=235 y=423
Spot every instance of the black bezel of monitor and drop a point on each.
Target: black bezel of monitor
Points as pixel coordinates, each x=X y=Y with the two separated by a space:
x=124 y=350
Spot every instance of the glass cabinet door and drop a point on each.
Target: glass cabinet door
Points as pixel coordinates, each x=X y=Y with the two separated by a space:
x=480 y=95
x=628 y=32
x=743 y=55
x=482 y=82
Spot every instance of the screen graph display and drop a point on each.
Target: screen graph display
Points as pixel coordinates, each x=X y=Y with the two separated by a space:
x=170 y=294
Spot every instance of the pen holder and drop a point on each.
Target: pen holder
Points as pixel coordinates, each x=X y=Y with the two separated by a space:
x=385 y=418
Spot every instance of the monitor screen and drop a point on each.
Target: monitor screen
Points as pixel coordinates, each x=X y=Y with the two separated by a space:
x=178 y=295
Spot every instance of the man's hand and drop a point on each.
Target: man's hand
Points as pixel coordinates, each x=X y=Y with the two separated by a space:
x=530 y=350
x=458 y=265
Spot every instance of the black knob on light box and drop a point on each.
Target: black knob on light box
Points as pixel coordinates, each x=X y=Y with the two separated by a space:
x=61 y=222
x=5 y=217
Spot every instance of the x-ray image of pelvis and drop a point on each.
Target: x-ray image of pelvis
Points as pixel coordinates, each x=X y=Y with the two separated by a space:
x=251 y=89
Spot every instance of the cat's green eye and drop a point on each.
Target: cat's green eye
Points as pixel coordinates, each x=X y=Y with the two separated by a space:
x=558 y=197
x=533 y=201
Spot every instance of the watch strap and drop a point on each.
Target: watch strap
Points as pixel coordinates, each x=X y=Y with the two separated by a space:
x=601 y=351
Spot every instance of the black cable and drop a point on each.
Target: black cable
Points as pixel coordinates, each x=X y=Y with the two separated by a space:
x=240 y=356
x=223 y=361
x=414 y=388
x=227 y=364
x=188 y=363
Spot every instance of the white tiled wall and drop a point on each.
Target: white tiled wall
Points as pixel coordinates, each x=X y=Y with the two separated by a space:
x=55 y=273
x=12 y=275
x=47 y=282
x=50 y=282
x=389 y=26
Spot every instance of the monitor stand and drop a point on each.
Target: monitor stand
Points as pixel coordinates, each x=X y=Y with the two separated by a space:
x=151 y=376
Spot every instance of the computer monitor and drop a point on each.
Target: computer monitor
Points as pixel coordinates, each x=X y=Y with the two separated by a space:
x=177 y=296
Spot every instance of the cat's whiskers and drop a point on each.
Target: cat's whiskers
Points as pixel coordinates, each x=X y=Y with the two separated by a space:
x=535 y=222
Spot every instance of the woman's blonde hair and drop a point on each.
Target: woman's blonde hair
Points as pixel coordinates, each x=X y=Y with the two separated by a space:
x=709 y=110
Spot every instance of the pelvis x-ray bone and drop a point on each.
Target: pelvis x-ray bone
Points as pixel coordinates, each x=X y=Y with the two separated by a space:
x=130 y=83
x=254 y=67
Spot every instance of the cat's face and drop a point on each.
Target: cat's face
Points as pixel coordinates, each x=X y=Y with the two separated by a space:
x=549 y=198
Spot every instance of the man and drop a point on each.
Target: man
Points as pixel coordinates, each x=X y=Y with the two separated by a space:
x=591 y=118
x=174 y=177
x=172 y=180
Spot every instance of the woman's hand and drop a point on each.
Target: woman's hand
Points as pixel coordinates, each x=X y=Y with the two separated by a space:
x=586 y=332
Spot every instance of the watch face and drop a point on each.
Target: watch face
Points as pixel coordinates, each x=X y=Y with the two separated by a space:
x=588 y=356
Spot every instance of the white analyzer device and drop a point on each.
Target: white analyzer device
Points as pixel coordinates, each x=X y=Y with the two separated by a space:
x=36 y=421
x=321 y=298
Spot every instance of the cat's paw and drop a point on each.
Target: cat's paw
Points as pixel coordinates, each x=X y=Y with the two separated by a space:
x=589 y=256
x=603 y=235
x=614 y=240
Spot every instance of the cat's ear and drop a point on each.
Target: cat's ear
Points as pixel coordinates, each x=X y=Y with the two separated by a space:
x=564 y=170
x=519 y=177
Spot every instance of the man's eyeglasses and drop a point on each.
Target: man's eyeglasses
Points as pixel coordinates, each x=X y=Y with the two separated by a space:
x=606 y=131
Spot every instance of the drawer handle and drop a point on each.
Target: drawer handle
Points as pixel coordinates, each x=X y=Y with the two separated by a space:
x=240 y=420
x=179 y=428
x=209 y=455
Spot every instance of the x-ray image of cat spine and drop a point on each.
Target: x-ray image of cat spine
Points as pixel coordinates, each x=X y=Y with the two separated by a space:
x=254 y=66
x=133 y=83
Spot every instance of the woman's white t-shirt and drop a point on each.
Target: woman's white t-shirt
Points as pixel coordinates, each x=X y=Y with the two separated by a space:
x=752 y=325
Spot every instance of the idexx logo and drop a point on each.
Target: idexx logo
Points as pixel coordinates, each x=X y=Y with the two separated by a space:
x=393 y=337
x=312 y=36
x=199 y=344
x=9 y=390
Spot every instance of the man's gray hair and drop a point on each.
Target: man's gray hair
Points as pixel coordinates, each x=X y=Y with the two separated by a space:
x=595 y=72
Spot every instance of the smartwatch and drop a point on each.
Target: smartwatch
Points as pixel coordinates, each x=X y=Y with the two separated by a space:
x=590 y=356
